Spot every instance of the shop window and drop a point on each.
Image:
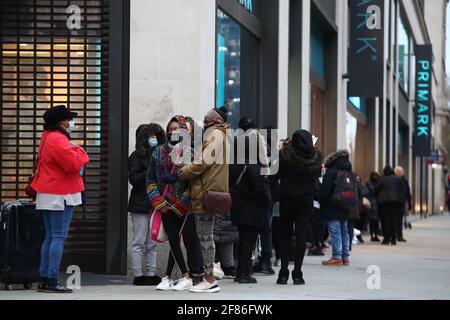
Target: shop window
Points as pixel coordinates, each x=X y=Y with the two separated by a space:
x=236 y=69
x=317 y=55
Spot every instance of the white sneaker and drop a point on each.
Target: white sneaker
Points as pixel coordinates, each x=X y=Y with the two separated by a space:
x=166 y=284
x=205 y=287
x=218 y=272
x=183 y=285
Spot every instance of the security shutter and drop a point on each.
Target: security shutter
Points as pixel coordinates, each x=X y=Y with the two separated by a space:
x=43 y=64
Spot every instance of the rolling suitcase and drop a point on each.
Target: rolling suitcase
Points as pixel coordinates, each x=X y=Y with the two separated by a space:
x=21 y=235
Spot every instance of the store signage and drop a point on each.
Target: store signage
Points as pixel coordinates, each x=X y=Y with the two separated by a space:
x=366 y=48
x=247 y=4
x=423 y=114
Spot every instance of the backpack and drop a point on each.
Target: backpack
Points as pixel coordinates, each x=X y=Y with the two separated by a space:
x=345 y=194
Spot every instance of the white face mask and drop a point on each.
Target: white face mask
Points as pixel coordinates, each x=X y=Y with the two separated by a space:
x=71 y=126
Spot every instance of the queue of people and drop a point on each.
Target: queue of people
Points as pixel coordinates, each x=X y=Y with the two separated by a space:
x=308 y=199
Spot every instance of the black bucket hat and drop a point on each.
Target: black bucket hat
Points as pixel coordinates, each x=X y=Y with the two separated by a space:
x=57 y=114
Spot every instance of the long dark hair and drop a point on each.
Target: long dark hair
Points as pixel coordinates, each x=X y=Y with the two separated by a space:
x=143 y=133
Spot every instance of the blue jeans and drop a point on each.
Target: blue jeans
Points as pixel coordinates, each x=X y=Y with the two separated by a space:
x=56 y=225
x=340 y=238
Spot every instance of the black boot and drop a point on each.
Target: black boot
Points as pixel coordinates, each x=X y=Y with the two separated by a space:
x=43 y=283
x=55 y=287
x=283 y=277
x=297 y=276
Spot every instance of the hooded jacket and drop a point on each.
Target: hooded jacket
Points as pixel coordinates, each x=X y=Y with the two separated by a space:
x=338 y=160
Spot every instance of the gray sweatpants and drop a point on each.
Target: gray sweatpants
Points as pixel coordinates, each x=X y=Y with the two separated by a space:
x=143 y=250
x=205 y=232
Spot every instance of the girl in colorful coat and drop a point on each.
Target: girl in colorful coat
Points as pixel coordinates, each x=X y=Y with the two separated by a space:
x=174 y=207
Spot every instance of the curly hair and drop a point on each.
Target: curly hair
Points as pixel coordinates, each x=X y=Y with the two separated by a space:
x=143 y=133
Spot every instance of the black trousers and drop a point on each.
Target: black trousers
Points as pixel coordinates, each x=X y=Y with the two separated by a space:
x=172 y=225
x=389 y=213
x=374 y=227
x=266 y=237
x=247 y=243
x=399 y=222
x=276 y=236
x=315 y=231
x=294 y=211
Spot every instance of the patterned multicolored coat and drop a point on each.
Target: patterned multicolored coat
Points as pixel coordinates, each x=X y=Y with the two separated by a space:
x=178 y=197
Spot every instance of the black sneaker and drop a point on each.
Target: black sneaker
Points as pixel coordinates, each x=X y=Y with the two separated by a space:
x=152 y=280
x=139 y=281
x=246 y=279
x=385 y=242
x=360 y=239
x=229 y=272
x=283 y=277
x=402 y=240
x=297 y=277
x=266 y=269
x=375 y=239
x=42 y=285
x=393 y=242
x=54 y=286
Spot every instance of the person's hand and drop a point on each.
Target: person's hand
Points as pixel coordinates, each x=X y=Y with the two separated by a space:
x=171 y=178
x=165 y=208
x=81 y=171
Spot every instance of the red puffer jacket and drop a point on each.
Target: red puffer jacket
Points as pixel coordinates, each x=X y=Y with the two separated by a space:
x=59 y=165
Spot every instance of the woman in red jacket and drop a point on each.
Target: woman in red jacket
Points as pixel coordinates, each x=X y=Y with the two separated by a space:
x=59 y=184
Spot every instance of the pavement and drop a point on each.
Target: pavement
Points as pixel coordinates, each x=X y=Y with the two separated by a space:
x=419 y=270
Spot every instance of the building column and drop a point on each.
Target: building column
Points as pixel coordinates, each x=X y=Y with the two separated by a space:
x=342 y=68
x=305 y=82
x=283 y=69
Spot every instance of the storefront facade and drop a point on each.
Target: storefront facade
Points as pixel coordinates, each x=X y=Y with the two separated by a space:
x=284 y=63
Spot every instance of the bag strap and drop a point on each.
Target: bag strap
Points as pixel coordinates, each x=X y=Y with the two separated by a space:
x=41 y=146
x=239 y=179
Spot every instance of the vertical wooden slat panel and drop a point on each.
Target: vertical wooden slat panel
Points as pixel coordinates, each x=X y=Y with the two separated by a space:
x=43 y=64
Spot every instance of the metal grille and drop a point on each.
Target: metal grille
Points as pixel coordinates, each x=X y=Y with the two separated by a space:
x=45 y=63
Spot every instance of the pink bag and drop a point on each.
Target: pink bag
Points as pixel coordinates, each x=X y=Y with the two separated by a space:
x=157 y=232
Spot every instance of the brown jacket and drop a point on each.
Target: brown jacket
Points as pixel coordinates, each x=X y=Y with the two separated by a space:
x=210 y=171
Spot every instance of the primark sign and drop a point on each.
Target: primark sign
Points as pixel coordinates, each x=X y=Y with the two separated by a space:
x=423 y=109
x=366 y=48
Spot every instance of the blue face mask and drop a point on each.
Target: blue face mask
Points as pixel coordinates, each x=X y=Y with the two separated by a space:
x=153 y=142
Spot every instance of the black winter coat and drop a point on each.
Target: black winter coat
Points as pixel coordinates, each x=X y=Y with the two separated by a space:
x=336 y=161
x=137 y=171
x=298 y=175
x=391 y=189
x=250 y=198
